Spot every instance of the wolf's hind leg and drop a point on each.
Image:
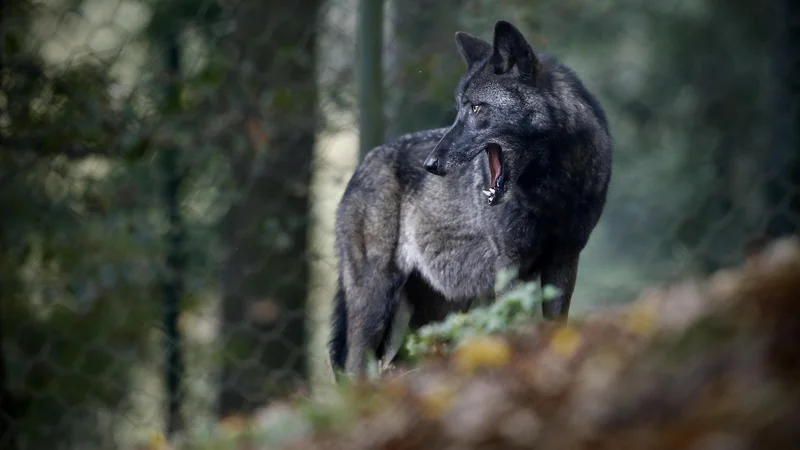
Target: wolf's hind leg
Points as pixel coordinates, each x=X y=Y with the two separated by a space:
x=369 y=312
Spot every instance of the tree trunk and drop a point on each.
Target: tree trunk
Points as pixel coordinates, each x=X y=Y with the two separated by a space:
x=265 y=271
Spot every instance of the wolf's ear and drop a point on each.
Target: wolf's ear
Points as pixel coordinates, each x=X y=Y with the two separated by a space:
x=511 y=50
x=472 y=48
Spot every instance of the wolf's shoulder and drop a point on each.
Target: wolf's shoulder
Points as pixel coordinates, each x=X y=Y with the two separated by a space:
x=405 y=151
x=396 y=161
x=416 y=139
x=405 y=147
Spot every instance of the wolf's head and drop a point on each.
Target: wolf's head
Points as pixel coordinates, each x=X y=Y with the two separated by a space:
x=505 y=106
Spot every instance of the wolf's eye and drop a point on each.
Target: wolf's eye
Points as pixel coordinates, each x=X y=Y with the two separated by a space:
x=475 y=109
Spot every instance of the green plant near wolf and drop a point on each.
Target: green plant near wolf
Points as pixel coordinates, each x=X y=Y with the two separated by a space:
x=514 y=307
x=427 y=220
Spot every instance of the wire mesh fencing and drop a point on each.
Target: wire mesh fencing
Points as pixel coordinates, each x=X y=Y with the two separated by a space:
x=170 y=171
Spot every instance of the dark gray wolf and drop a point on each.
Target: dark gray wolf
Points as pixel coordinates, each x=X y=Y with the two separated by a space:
x=427 y=220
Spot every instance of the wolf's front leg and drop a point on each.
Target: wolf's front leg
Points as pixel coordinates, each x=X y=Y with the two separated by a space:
x=369 y=311
x=560 y=271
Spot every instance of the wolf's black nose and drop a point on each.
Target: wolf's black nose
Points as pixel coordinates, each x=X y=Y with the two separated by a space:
x=432 y=165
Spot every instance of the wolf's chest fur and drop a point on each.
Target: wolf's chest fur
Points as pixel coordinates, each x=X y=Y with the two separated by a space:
x=457 y=242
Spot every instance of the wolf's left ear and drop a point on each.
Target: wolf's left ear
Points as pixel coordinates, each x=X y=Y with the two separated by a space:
x=472 y=48
x=511 y=50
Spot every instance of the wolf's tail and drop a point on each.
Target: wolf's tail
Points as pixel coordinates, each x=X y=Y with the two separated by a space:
x=338 y=343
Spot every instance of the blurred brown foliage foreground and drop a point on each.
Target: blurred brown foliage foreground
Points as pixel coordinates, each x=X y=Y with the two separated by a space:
x=711 y=364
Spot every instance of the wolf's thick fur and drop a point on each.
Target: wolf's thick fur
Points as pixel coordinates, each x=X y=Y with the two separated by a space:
x=414 y=229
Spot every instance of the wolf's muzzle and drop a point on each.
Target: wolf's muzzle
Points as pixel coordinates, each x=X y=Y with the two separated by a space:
x=431 y=164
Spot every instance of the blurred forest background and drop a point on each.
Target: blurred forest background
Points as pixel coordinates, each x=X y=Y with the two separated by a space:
x=169 y=171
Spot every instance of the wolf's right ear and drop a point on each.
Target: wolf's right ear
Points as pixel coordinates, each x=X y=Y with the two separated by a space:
x=511 y=50
x=472 y=48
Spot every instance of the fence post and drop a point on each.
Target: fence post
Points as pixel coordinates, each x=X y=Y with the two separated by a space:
x=370 y=74
x=175 y=259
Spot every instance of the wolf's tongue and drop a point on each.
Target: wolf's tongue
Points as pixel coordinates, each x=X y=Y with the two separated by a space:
x=495 y=164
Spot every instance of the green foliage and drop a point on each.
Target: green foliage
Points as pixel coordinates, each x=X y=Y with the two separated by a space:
x=81 y=245
x=517 y=304
x=80 y=291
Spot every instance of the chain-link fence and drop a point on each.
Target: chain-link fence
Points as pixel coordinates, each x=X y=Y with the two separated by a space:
x=169 y=171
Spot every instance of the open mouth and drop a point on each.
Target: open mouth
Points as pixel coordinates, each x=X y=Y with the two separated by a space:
x=496 y=185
